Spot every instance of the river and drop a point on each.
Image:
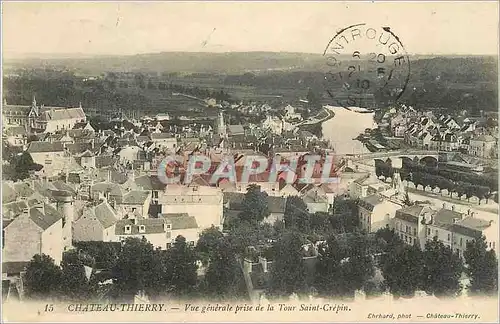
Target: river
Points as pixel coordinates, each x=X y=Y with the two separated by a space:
x=344 y=127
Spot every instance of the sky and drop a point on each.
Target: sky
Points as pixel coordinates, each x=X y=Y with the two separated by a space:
x=124 y=28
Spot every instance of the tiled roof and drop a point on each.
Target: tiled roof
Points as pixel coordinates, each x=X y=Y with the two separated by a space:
x=150 y=183
x=135 y=197
x=40 y=147
x=58 y=113
x=181 y=221
x=370 y=202
x=151 y=226
x=105 y=214
x=156 y=136
x=46 y=219
x=410 y=214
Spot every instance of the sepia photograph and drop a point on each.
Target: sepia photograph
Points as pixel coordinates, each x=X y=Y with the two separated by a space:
x=250 y=161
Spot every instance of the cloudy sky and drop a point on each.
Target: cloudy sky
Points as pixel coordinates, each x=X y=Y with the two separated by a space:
x=131 y=28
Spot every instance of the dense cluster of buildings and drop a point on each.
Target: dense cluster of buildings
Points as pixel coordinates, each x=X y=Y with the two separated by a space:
x=472 y=135
x=103 y=184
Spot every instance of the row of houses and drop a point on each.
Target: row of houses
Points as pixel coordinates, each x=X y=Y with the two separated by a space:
x=444 y=133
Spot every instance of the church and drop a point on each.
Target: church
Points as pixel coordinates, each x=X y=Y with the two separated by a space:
x=41 y=119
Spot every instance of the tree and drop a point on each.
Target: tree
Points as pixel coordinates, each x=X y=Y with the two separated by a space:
x=223 y=274
x=254 y=205
x=296 y=214
x=320 y=223
x=288 y=273
x=358 y=268
x=442 y=269
x=207 y=243
x=74 y=283
x=43 y=278
x=181 y=267
x=137 y=269
x=402 y=269
x=389 y=238
x=345 y=217
x=328 y=269
x=482 y=268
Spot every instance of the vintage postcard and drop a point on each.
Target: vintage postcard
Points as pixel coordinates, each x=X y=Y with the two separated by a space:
x=253 y=161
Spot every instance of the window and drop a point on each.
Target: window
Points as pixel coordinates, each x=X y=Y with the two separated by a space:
x=428 y=231
x=461 y=241
x=410 y=240
x=191 y=243
x=406 y=238
x=406 y=229
x=128 y=229
x=142 y=229
x=493 y=245
x=449 y=237
x=133 y=209
x=169 y=245
x=437 y=233
x=414 y=231
x=169 y=226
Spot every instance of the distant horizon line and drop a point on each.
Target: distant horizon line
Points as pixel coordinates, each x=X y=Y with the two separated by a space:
x=31 y=55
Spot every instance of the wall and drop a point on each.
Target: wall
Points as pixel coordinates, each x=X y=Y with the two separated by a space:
x=23 y=239
x=53 y=162
x=88 y=228
x=52 y=241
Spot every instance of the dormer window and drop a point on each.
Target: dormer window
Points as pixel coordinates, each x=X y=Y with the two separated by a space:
x=142 y=229
x=128 y=229
x=168 y=227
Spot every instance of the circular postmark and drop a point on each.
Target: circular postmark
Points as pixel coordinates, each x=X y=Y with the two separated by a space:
x=367 y=66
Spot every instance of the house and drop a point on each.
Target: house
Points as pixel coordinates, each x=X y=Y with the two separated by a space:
x=87 y=160
x=162 y=231
x=50 y=155
x=203 y=202
x=96 y=224
x=375 y=212
x=366 y=185
x=37 y=230
x=409 y=224
x=135 y=202
x=482 y=146
x=164 y=141
x=315 y=201
x=184 y=225
x=419 y=224
x=53 y=119
x=276 y=206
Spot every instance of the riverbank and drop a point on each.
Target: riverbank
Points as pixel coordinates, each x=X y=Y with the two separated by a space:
x=321 y=117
